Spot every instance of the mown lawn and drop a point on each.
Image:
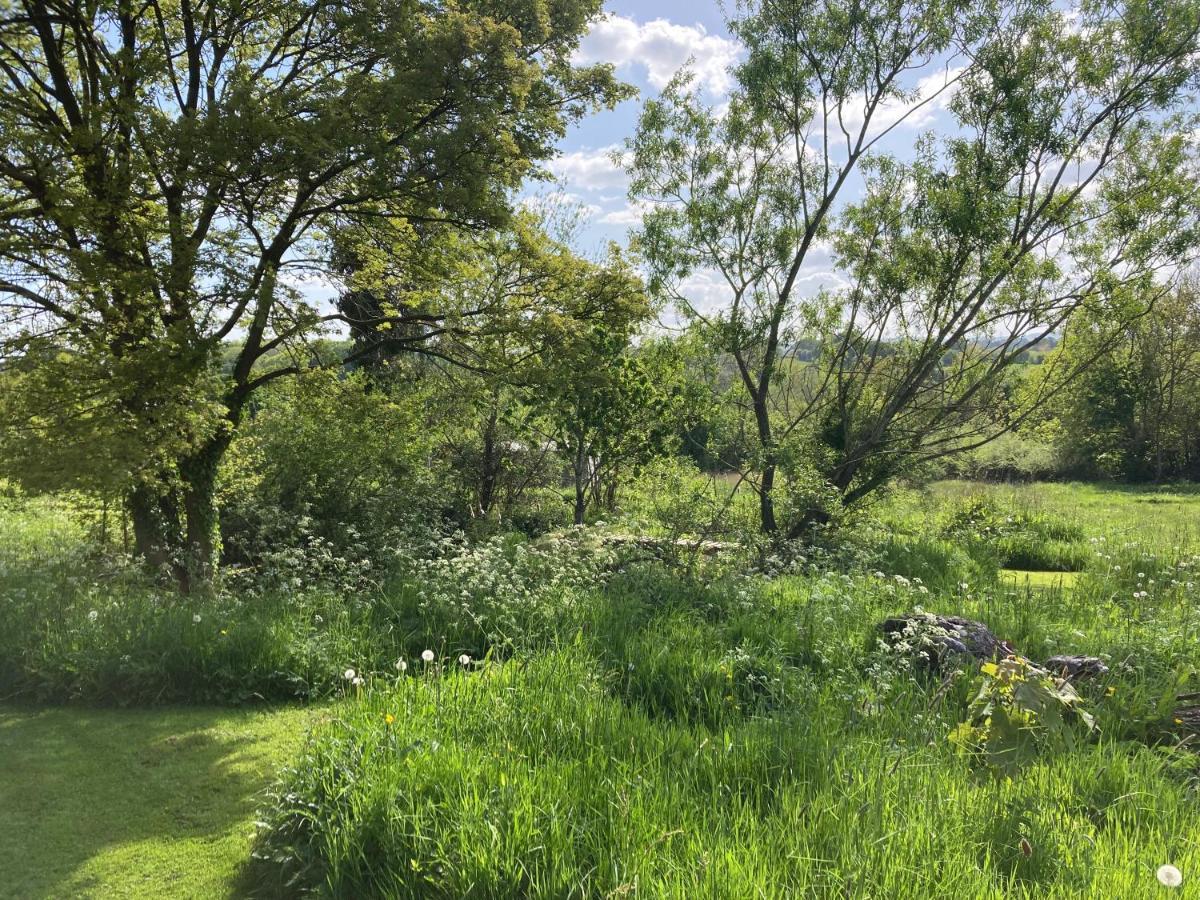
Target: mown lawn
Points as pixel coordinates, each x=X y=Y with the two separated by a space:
x=135 y=803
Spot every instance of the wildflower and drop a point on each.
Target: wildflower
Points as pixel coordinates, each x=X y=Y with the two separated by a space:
x=1116 y=568
x=318 y=619
x=964 y=585
x=196 y=618
x=465 y=659
x=389 y=718
x=1112 y=689
x=1169 y=876
x=349 y=674
x=223 y=631
x=93 y=616
x=357 y=681
x=427 y=655
x=401 y=665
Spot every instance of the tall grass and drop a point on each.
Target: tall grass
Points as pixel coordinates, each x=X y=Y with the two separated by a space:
x=547 y=779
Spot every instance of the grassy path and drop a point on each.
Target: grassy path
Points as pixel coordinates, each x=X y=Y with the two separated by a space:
x=134 y=803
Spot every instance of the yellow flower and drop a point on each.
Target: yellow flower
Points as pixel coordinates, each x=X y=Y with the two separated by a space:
x=389 y=718
x=1112 y=690
x=1179 y=721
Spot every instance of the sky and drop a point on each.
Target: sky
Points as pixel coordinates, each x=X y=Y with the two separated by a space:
x=648 y=42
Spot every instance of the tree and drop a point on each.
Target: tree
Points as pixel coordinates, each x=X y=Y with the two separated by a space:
x=168 y=168
x=547 y=344
x=607 y=407
x=1066 y=181
x=1135 y=412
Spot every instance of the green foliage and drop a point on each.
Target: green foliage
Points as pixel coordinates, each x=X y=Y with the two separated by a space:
x=165 y=171
x=955 y=261
x=333 y=459
x=1132 y=413
x=1017 y=711
x=1020 y=539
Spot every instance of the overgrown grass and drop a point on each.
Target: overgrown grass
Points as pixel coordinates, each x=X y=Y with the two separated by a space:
x=548 y=779
x=77 y=624
x=624 y=729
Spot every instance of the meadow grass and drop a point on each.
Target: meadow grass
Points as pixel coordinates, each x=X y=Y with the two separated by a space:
x=545 y=780
x=625 y=729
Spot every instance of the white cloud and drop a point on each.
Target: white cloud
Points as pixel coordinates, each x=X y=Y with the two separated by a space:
x=933 y=94
x=590 y=170
x=706 y=291
x=661 y=47
x=631 y=214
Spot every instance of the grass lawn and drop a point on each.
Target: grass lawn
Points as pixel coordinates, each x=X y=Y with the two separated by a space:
x=135 y=803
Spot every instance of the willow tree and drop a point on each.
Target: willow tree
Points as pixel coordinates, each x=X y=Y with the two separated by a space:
x=169 y=173
x=1061 y=177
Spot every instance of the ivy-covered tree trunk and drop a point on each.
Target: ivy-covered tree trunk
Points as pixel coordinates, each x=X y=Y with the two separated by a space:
x=201 y=522
x=155 y=518
x=176 y=525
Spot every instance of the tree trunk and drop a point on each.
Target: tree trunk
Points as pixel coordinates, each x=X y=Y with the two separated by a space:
x=176 y=528
x=766 y=499
x=202 y=527
x=581 y=482
x=154 y=514
x=490 y=464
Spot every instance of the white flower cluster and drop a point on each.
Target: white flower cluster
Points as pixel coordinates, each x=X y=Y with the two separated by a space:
x=501 y=589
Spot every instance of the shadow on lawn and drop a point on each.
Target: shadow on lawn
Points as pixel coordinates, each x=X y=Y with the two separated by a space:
x=76 y=783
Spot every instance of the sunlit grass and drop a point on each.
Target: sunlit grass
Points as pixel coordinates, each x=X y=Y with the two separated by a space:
x=134 y=803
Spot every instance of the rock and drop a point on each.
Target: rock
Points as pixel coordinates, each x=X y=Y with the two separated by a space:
x=1076 y=668
x=944 y=636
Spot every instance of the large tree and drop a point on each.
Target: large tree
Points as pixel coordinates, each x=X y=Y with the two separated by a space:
x=168 y=167
x=1063 y=178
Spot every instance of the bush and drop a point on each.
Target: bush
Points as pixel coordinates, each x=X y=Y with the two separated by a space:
x=328 y=460
x=540 y=511
x=121 y=638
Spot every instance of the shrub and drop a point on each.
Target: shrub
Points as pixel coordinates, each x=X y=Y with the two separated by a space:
x=328 y=460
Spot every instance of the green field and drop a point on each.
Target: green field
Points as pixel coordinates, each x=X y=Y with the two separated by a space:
x=647 y=734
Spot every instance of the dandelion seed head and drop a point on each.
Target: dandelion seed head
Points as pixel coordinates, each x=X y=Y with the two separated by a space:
x=349 y=674
x=1169 y=876
x=427 y=655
